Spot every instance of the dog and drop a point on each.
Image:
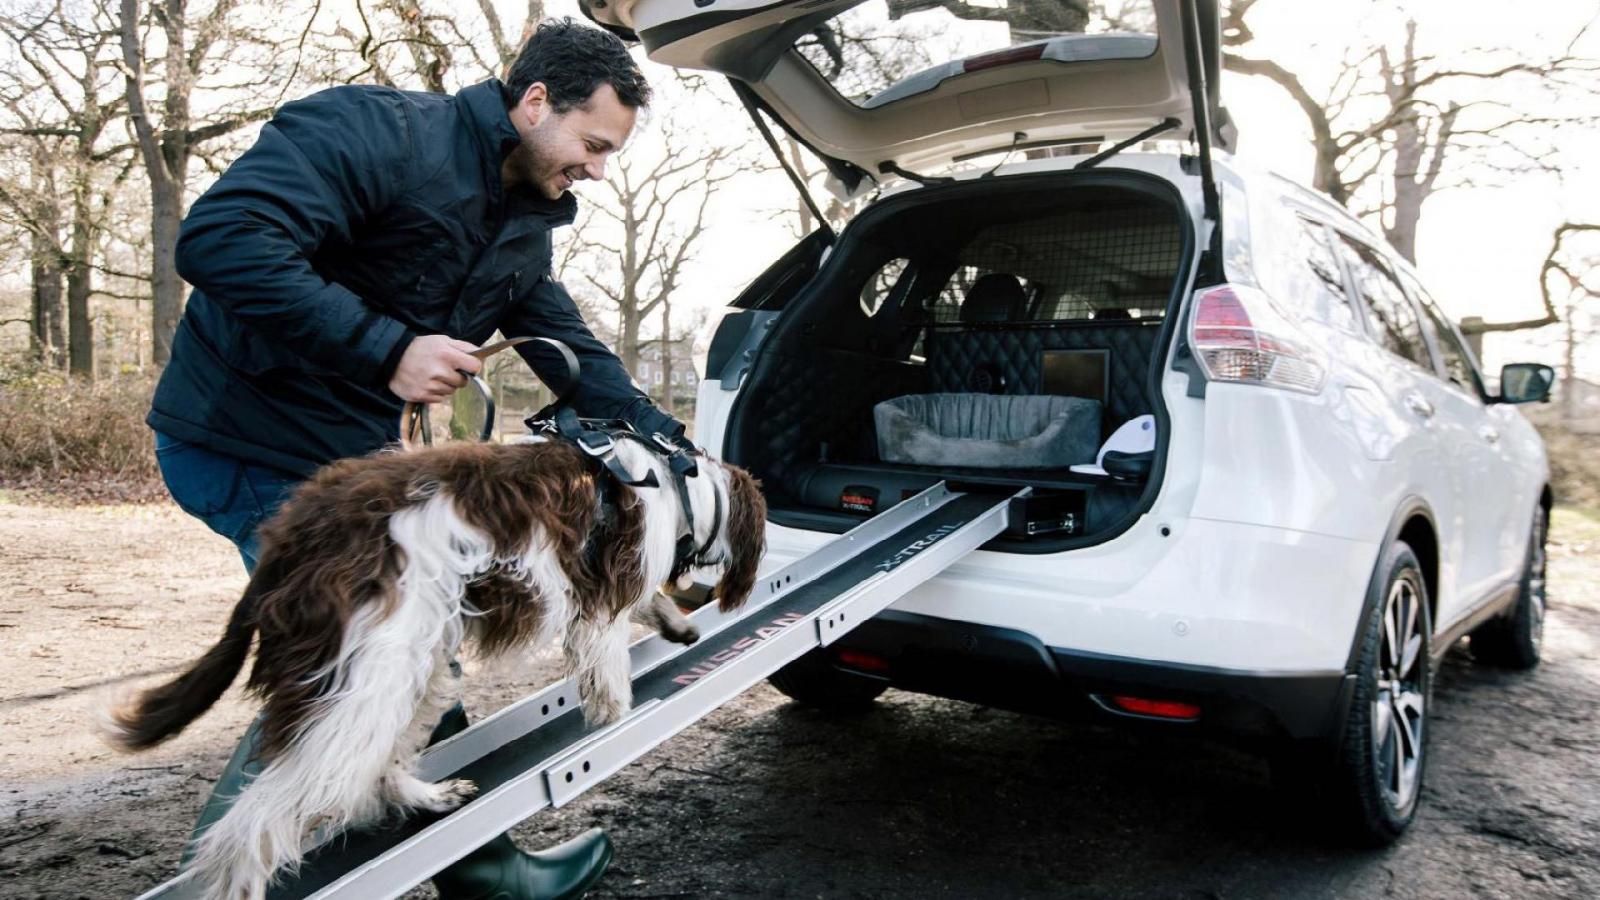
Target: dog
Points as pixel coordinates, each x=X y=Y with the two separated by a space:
x=379 y=568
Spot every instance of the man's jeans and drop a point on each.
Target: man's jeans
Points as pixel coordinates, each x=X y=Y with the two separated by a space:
x=231 y=496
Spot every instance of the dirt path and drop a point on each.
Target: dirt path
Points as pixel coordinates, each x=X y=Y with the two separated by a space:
x=920 y=798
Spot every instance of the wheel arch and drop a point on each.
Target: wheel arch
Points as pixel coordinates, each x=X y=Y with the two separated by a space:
x=1412 y=522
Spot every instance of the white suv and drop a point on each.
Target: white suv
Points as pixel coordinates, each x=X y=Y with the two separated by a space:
x=1330 y=496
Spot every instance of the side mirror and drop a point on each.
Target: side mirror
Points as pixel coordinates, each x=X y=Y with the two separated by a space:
x=1526 y=383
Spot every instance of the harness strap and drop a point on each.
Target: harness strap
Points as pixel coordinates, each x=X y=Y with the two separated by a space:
x=599 y=444
x=598 y=438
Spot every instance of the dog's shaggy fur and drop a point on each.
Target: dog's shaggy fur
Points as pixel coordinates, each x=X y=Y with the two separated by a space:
x=373 y=575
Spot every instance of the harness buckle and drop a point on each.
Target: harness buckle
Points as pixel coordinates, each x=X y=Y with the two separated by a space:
x=602 y=446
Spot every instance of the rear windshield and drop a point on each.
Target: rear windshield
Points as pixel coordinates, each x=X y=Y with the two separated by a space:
x=882 y=50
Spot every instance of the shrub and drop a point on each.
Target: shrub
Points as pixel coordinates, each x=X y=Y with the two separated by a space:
x=1574 y=466
x=81 y=439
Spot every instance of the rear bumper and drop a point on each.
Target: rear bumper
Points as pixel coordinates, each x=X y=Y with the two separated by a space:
x=1011 y=669
x=1183 y=591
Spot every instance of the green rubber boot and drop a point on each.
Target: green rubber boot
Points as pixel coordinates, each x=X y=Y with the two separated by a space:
x=498 y=870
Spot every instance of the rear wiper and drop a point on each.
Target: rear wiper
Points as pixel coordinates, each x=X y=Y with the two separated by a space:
x=1166 y=124
x=890 y=167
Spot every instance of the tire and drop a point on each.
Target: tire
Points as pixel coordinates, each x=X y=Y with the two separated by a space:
x=1514 y=641
x=1382 y=755
x=812 y=680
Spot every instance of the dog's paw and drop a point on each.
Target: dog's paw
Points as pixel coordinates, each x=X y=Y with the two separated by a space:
x=447 y=795
x=685 y=633
x=597 y=712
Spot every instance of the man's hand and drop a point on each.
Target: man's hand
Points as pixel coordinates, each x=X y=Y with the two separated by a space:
x=427 y=372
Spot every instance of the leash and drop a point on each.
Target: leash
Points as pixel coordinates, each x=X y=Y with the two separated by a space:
x=415 y=427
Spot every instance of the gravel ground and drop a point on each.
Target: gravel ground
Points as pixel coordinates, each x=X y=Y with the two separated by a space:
x=919 y=798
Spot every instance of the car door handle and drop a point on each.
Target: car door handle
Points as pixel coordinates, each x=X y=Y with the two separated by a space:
x=1489 y=434
x=1419 y=405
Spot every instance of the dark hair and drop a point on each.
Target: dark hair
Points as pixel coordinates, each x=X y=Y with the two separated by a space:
x=572 y=61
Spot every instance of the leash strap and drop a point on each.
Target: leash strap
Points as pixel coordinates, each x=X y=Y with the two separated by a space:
x=415 y=428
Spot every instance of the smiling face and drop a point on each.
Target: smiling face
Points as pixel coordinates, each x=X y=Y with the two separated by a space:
x=559 y=149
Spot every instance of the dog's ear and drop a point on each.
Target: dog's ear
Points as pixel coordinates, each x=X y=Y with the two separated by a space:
x=747 y=538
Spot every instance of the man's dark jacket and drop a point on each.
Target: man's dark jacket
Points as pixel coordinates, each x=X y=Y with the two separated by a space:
x=361 y=218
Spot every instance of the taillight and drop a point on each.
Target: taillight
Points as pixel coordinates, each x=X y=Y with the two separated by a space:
x=861 y=661
x=1023 y=53
x=1160 y=709
x=1239 y=336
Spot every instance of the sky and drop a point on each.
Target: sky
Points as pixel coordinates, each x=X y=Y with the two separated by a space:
x=1479 y=248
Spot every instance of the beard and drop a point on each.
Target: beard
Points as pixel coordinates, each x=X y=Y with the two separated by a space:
x=536 y=164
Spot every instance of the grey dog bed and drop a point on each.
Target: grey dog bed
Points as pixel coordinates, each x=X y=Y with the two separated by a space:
x=988 y=430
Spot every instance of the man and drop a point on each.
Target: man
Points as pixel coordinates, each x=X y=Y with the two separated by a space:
x=347 y=263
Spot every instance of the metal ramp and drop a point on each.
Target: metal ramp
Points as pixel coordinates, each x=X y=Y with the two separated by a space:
x=537 y=753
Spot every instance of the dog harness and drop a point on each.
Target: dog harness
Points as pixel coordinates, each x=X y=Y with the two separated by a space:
x=597 y=438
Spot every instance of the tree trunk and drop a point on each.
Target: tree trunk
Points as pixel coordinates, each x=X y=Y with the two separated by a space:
x=628 y=339
x=1569 y=377
x=49 y=335
x=1413 y=179
x=80 y=327
x=800 y=169
x=1406 y=208
x=49 y=315
x=666 y=357
x=166 y=159
x=166 y=302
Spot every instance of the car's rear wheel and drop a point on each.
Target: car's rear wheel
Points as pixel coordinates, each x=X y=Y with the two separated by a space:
x=1514 y=641
x=1383 y=754
x=814 y=681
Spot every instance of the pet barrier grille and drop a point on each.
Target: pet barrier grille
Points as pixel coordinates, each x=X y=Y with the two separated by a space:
x=1075 y=265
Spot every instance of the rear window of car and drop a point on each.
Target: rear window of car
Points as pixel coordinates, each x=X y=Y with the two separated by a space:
x=1317 y=277
x=877 y=288
x=881 y=50
x=1391 y=319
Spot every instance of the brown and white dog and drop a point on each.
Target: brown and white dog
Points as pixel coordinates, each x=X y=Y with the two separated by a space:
x=379 y=569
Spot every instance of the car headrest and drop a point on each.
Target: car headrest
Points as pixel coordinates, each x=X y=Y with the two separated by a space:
x=996 y=297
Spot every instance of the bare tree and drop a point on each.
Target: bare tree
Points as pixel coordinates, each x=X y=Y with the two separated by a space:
x=44 y=221
x=505 y=50
x=1396 y=125
x=646 y=226
x=410 y=43
x=168 y=141
x=1569 y=286
x=69 y=87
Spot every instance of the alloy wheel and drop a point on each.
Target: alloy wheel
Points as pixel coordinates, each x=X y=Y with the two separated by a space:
x=1536 y=596
x=1398 y=703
